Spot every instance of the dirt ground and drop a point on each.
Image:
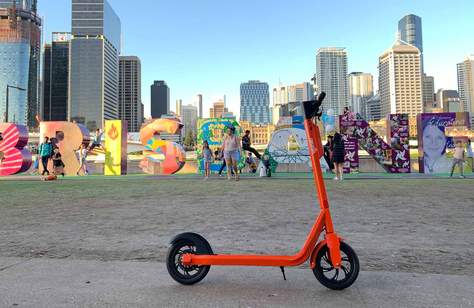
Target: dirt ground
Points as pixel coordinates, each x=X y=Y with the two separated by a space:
x=399 y=225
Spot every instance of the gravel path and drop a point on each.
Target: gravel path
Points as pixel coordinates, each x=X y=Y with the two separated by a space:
x=416 y=225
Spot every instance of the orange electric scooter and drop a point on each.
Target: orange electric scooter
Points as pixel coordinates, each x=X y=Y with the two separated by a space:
x=334 y=263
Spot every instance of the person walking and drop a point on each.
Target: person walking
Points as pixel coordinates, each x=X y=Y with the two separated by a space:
x=207 y=158
x=247 y=144
x=327 y=153
x=458 y=159
x=82 y=155
x=338 y=156
x=232 y=148
x=45 y=150
x=219 y=155
x=470 y=155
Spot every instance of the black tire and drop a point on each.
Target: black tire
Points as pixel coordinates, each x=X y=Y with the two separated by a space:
x=187 y=275
x=337 y=279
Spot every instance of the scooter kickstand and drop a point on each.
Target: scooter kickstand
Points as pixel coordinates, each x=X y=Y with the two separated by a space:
x=283 y=272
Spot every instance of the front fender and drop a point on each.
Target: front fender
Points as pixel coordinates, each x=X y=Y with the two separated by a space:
x=312 y=259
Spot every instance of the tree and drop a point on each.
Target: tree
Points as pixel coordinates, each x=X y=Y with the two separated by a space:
x=189 y=140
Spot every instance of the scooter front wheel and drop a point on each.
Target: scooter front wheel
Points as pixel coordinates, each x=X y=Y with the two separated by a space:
x=337 y=278
x=186 y=275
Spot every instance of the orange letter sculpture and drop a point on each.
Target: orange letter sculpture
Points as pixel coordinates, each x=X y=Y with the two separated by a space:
x=174 y=154
x=13 y=157
x=68 y=137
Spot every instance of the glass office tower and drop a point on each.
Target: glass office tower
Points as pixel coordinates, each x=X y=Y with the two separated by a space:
x=20 y=40
x=94 y=68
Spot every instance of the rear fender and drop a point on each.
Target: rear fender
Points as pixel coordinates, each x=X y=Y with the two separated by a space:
x=203 y=246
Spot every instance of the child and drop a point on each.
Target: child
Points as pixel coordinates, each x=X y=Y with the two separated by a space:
x=251 y=163
x=458 y=158
x=82 y=155
x=58 y=165
x=207 y=157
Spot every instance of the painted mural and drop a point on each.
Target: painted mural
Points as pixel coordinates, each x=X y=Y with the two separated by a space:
x=433 y=142
x=162 y=157
x=394 y=157
x=213 y=131
x=115 y=147
x=14 y=158
x=68 y=137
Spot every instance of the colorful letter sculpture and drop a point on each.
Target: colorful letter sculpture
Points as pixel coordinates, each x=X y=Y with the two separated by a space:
x=68 y=137
x=162 y=157
x=432 y=141
x=115 y=147
x=213 y=131
x=14 y=158
x=394 y=158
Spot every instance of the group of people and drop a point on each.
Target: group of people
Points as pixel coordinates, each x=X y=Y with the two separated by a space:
x=230 y=153
x=49 y=151
x=334 y=154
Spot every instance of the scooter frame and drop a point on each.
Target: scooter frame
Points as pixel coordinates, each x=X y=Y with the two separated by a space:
x=323 y=222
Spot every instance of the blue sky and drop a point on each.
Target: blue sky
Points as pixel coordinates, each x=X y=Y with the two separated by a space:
x=211 y=46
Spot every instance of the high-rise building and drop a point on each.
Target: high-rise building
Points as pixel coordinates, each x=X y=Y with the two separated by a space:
x=255 y=102
x=179 y=105
x=130 y=92
x=94 y=58
x=199 y=104
x=56 y=78
x=361 y=89
x=280 y=98
x=466 y=85
x=20 y=52
x=400 y=80
x=189 y=116
x=373 y=108
x=160 y=99
x=448 y=100
x=428 y=91
x=300 y=92
x=218 y=109
x=411 y=31
x=331 y=77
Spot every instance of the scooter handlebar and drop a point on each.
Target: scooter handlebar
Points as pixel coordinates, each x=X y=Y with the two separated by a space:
x=311 y=108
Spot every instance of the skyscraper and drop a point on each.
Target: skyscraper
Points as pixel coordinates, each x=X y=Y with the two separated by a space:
x=179 y=105
x=428 y=91
x=280 y=98
x=20 y=39
x=373 y=108
x=94 y=68
x=56 y=78
x=199 y=104
x=400 y=80
x=255 y=102
x=411 y=31
x=466 y=85
x=218 y=109
x=130 y=92
x=361 y=89
x=331 y=77
x=160 y=99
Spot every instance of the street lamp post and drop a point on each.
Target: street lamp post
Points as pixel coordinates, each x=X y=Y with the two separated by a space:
x=8 y=98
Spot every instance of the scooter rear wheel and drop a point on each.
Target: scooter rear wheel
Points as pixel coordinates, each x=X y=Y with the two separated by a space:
x=186 y=275
x=331 y=277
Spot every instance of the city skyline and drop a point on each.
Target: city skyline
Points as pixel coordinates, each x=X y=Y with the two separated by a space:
x=181 y=54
